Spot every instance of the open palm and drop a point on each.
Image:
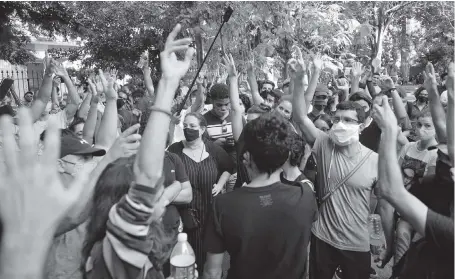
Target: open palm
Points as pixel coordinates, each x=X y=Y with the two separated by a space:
x=171 y=67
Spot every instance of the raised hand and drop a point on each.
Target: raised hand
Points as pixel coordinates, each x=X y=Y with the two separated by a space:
x=250 y=64
x=32 y=196
x=110 y=91
x=103 y=79
x=58 y=69
x=376 y=63
x=357 y=69
x=92 y=85
x=171 y=67
x=317 y=63
x=229 y=65
x=99 y=85
x=126 y=144
x=450 y=80
x=429 y=77
x=383 y=114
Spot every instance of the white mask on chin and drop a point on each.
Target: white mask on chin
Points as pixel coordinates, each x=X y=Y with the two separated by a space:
x=344 y=134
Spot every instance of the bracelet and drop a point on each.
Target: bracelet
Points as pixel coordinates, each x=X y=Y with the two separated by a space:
x=168 y=113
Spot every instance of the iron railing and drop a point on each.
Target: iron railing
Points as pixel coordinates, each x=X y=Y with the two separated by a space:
x=23 y=80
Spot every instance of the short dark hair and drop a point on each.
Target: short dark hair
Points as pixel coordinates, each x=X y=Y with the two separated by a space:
x=259 y=109
x=138 y=92
x=324 y=117
x=267 y=141
x=297 y=148
x=246 y=101
x=219 y=91
x=268 y=82
x=424 y=113
x=350 y=105
x=443 y=76
x=76 y=121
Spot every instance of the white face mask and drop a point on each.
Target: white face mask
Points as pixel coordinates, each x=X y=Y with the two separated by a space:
x=344 y=134
x=426 y=134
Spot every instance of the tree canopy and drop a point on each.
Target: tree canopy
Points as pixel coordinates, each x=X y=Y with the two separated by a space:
x=114 y=34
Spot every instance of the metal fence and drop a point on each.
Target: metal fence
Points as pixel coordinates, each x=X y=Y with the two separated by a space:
x=23 y=80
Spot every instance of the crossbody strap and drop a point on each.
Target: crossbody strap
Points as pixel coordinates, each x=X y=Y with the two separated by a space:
x=341 y=183
x=309 y=183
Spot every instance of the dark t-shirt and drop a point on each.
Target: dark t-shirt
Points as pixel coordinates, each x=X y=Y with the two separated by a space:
x=266 y=230
x=173 y=170
x=242 y=173
x=371 y=136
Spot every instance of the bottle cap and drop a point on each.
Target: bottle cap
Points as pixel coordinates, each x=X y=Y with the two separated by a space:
x=182 y=237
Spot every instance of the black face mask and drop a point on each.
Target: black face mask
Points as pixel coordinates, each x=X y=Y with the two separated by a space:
x=120 y=103
x=319 y=107
x=190 y=134
x=423 y=99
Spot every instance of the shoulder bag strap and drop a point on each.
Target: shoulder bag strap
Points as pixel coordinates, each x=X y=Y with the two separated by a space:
x=341 y=183
x=309 y=183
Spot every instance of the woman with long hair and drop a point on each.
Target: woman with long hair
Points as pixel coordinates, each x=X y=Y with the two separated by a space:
x=208 y=167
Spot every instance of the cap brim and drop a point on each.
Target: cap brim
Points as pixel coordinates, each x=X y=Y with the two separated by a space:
x=91 y=151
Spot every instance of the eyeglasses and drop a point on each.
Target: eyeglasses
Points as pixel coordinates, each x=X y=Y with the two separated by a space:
x=346 y=120
x=321 y=97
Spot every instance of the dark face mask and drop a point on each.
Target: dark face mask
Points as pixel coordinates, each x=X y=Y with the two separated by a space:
x=190 y=134
x=319 y=107
x=423 y=99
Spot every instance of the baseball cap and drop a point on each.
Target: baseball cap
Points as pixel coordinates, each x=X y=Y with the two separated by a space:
x=72 y=145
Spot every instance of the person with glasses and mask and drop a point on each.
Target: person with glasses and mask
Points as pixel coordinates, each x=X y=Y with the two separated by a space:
x=346 y=178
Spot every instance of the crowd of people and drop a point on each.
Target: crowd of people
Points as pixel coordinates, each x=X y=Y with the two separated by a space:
x=267 y=182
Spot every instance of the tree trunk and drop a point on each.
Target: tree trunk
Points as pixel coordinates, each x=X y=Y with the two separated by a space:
x=405 y=44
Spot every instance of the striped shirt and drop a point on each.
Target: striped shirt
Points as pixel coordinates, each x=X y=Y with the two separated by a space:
x=128 y=240
x=217 y=128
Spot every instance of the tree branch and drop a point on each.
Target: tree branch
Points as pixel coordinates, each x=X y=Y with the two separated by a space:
x=396 y=8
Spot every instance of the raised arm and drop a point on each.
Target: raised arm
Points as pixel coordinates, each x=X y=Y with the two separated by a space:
x=54 y=95
x=300 y=111
x=450 y=110
x=438 y=114
x=237 y=122
x=257 y=99
x=198 y=104
x=148 y=169
x=72 y=91
x=316 y=71
x=147 y=78
x=107 y=132
x=390 y=183
x=44 y=93
x=90 y=122
x=85 y=106
x=357 y=71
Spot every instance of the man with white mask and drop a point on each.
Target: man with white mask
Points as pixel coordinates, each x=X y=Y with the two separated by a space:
x=346 y=176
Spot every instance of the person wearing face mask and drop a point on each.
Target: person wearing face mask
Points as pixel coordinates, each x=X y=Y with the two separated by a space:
x=346 y=178
x=320 y=99
x=419 y=157
x=208 y=167
x=415 y=109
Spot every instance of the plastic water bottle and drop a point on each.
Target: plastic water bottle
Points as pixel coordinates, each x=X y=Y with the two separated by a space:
x=376 y=234
x=182 y=259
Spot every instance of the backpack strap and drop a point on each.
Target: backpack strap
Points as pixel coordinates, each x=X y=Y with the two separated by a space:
x=341 y=183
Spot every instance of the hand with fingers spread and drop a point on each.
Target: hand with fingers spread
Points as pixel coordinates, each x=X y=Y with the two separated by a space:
x=376 y=63
x=99 y=85
x=32 y=197
x=229 y=65
x=383 y=115
x=357 y=69
x=171 y=67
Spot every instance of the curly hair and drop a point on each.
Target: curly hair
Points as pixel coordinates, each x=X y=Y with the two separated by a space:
x=219 y=91
x=267 y=140
x=417 y=92
x=246 y=101
x=350 y=105
x=297 y=148
x=113 y=184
